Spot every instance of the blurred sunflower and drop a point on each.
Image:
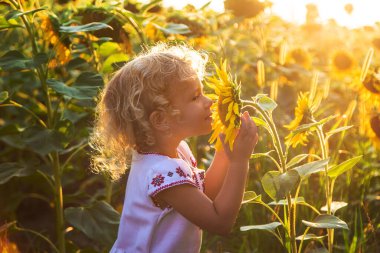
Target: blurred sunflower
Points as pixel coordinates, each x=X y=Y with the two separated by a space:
x=50 y=28
x=342 y=61
x=300 y=57
x=303 y=115
x=375 y=128
x=226 y=109
x=245 y=8
x=376 y=42
x=372 y=82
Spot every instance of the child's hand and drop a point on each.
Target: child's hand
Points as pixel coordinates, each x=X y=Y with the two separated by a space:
x=245 y=140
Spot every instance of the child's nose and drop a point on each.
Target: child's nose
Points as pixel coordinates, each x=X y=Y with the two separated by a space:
x=208 y=102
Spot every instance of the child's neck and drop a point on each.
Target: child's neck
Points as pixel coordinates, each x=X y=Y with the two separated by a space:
x=167 y=149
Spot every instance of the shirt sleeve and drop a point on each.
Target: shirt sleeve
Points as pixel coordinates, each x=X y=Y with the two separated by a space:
x=169 y=173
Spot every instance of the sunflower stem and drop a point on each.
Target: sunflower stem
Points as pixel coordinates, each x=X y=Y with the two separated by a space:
x=275 y=137
x=323 y=143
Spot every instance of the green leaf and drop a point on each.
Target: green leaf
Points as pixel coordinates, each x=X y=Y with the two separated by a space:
x=295 y=160
x=10 y=170
x=251 y=197
x=94 y=26
x=265 y=102
x=270 y=226
x=326 y=221
x=146 y=7
x=311 y=126
x=277 y=185
x=111 y=60
x=310 y=168
x=3 y=96
x=172 y=28
x=258 y=155
x=15 y=13
x=81 y=92
x=337 y=170
x=261 y=123
x=89 y=79
x=310 y=237
x=10 y=129
x=99 y=221
x=108 y=48
x=335 y=206
x=43 y=141
x=14 y=60
x=284 y=202
x=39 y=59
x=338 y=130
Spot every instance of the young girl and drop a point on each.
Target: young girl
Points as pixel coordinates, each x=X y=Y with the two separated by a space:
x=146 y=111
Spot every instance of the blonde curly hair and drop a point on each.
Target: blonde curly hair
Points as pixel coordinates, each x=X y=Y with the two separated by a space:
x=134 y=92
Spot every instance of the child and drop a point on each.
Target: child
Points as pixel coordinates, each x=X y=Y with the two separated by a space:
x=146 y=111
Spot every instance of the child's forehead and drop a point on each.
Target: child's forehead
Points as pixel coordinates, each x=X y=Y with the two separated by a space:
x=191 y=84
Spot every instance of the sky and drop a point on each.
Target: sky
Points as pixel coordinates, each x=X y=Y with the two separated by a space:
x=366 y=12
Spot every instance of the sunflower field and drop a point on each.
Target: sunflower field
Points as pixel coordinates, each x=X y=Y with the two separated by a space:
x=313 y=90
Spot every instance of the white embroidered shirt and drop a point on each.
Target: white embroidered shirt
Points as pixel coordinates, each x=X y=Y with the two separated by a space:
x=144 y=226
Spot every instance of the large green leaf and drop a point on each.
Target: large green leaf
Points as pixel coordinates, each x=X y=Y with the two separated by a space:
x=77 y=92
x=337 y=170
x=99 y=221
x=335 y=206
x=15 y=13
x=265 y=102
x=3 y=96
x=108 y=65
x=270 y=226
x=277 y=185
x=94 y=26
x=89 y=79
x=172 y=28
x=9 y=170
x=14 y=60
x=43 y=141
x=251 y=197
x=310 y=168
x=326 y=221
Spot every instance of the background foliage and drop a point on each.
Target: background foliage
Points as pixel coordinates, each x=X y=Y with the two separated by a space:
x=56 y=55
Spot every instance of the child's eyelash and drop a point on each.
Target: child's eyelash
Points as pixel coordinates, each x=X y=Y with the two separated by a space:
x=196 y=97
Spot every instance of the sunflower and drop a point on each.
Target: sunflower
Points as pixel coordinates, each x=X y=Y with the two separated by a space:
x=375 y=130
x=300 y=57
x=372 y=82
x=303 y=115
x=342 y=61
x=50 y=27
x=226 y=109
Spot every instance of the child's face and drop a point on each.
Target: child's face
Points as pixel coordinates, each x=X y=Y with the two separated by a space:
x=195 y=114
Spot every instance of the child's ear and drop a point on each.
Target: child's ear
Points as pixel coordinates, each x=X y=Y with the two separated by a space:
x=159 y=120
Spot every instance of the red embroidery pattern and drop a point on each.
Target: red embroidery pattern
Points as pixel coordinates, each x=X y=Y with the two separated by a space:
x=193 y=161
x=158 y=180
x=180 y=172
x=202 y=175
x=172 y=184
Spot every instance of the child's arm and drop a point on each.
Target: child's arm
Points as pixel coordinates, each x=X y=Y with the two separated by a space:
x=216 y=173
x=218 y=215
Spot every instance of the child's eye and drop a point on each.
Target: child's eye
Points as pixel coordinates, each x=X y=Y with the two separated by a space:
x=196 y=97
